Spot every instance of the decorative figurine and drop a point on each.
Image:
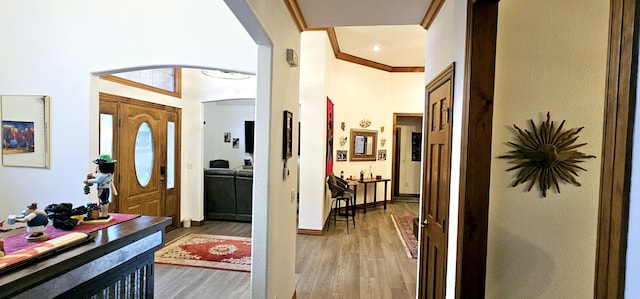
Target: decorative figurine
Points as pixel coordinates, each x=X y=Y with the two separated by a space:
x=104 y=180
x=36 y=222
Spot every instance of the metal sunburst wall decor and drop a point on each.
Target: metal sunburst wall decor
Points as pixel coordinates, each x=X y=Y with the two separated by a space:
x=546 y=155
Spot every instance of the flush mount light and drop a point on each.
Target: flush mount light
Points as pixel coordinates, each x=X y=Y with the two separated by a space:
x=375 y=48
x=220 y=74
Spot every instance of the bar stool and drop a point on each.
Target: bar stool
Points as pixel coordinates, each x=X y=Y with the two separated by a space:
x=340 y=193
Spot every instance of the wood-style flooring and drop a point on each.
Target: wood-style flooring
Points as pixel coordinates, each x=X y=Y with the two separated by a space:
x=369 y=262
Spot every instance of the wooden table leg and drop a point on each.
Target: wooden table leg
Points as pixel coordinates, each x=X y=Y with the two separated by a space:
x=385 y=195
x=355 y=197
x=375 y=194
x=364 y=206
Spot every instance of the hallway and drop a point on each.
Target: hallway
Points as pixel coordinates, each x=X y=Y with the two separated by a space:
x=370 y=262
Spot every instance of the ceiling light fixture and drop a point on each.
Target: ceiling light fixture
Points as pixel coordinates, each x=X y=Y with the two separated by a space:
x=375 y=48
x=220 y=74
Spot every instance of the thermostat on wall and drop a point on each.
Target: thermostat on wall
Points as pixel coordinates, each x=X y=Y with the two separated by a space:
x=292 y=57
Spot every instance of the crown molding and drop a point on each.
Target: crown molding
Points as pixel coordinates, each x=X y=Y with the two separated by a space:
x=298 y=19
x=432 y=12
x=296 y=14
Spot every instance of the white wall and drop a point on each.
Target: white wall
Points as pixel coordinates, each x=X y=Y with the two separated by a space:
x=551 y=57
x=313 y=63
x=278 y=82
x=445 y=45
x=226 y=116
x=409 y=178
x=632 y=276
x=55 y=49
x=357 y=92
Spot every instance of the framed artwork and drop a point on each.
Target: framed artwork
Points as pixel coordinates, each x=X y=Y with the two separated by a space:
x=236 y=142
x=382 y=155
x=341 y=155
x=287 y=135
x=416 y=146
x=329 y=150
x=227 y=137
x=25 y=130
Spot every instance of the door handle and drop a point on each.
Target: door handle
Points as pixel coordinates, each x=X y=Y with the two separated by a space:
x=425 y=223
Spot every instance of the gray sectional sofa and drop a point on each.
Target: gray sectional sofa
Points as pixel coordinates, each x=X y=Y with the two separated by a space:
x=228 y=194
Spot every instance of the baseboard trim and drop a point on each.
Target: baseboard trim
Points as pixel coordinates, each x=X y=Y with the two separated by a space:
x=407 y=195
x=313 y=232
x=197 y=223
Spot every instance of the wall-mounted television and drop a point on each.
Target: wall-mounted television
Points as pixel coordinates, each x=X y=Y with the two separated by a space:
x=248 y=136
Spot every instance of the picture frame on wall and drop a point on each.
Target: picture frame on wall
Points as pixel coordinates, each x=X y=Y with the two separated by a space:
x=287 y=135
x=416 y=146
x=382 y=155
x=341 y=155
x=236 y=142
x=227 y=137
x=25 y=130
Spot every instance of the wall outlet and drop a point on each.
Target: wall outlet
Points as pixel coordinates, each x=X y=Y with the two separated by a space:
x=293 y=195
x=189 y=165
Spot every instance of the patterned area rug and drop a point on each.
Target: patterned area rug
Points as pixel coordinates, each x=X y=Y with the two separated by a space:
x=207 y=251
x=404 y=227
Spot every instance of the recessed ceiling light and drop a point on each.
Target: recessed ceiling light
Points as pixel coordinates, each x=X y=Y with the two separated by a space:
x=375 y=48
x=225 y=75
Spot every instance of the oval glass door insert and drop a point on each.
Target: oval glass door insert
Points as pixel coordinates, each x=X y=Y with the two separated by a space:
x=144 y=154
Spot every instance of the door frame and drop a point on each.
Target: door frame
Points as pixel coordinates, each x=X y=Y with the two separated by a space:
x=475 y=157
x=111 y=98
x=395 y=148
x=615 y=180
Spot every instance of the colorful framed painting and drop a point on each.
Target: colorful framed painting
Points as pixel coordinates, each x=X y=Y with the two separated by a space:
x=25 y=130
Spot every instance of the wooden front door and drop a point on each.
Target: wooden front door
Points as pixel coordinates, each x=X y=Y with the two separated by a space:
x=146 y=145
x=141 y=160
x=435 y=193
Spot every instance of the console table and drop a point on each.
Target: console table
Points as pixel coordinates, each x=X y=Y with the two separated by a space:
x=366 y=182
x=117 y=263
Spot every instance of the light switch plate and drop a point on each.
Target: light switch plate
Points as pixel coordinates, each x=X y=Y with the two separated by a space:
x=293 y=195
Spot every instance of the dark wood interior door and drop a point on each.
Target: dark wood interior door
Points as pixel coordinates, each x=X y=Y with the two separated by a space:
x=397 y=162
x=435 y=193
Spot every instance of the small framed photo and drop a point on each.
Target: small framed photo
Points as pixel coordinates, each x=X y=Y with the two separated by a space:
x=287 y=135
x=382 y=155
x=341 y=155
x=236 y=142
x=227 y=137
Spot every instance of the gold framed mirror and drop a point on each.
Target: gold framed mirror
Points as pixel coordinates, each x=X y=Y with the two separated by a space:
x=363 y=145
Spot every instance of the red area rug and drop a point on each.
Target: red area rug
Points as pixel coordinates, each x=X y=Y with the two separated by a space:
x=17 y=242
x=404 y=227
x=207 y=251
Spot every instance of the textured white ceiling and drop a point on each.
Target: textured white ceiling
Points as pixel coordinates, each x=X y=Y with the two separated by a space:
x=332 y=13
x=359 y=24
x=399 y=45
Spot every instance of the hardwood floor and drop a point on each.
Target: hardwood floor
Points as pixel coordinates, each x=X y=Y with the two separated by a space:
x=191 y=282
x=369 y=262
